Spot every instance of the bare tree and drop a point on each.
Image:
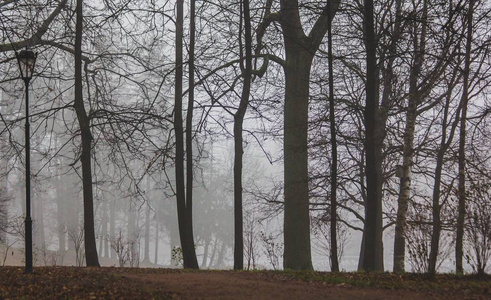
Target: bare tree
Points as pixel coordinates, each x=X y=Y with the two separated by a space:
x=300 y=50
x=86 y=159
x=459 y=243
x=184 y=206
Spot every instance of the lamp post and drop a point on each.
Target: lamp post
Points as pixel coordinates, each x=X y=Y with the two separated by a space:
x=27 y=60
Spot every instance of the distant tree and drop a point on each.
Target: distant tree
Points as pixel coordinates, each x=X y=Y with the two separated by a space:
x=4 y=202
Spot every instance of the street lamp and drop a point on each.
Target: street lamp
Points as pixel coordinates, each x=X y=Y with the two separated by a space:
x=27 y=60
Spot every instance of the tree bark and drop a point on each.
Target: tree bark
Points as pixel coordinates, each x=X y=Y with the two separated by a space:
x=184 y=209
x=157 y=228
x=104 y=237
x=300 y=50
x=373 y=260
x=297 y=252
x=436 y=207
x=334 y=154
x=205 y=254
x=238 y=139
x=419 y=49
x=459 y=251
x=112 y=225
x=146 y=255
x=91 y=257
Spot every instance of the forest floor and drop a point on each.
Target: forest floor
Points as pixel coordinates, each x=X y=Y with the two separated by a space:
x=155 y=283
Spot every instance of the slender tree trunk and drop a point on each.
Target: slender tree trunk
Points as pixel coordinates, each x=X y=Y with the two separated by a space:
x=334 y=154
x=61 y=211
x=419 y=45
x=205 y=254
x=146 y=256
x=184 y=208
x=130 y=225
x=459 y=251
x=372 y=260
x=221 y=254
x=213 y=253
x=436 y=207
x=238 y=139
x=40 y=239
x=104 y=237
x=157 y=229
x=112 y=225
x=189 y=131
x=91 y=257
x=404 y=189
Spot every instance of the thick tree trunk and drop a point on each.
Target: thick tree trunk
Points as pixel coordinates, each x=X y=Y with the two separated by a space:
x=300 y=50
x=297 y=251
x=459 y=247
x=373 y=260
x=91 y=257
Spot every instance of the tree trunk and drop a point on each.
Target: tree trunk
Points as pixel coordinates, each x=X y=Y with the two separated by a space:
x=184 y=209
x=436 y=207
x=221 y=255
x=373 y=260
x=419 y=50
x=104 y=237
x=205 y=254
x=89 y=231
x=238 y=139
x=61 y=211
x=334 y=158
x=157 y=229
x=459 y=251
x=213 y=253
x=130 y=225
x=297 y=252
x=404 y=189
x=300 y=50
x=146 y=256
x=112 y=225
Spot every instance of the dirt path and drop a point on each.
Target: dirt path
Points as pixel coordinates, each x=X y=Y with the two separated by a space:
x=238 y=285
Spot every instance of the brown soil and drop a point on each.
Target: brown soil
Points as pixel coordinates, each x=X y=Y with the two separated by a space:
x=157 y=283
x=251 y=285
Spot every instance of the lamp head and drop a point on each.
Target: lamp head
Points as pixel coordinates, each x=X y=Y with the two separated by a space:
x=27 y=61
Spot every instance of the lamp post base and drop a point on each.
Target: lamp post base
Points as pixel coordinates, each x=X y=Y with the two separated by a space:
x=28 y=224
